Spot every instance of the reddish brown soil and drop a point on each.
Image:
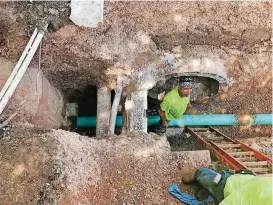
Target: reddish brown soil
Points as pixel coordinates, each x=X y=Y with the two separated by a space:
x=40 y=167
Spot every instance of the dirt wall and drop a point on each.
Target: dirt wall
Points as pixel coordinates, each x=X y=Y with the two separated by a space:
x=40 y=103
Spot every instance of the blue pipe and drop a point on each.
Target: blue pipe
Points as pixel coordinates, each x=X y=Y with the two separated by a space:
x=194 y=120
x=263 y=119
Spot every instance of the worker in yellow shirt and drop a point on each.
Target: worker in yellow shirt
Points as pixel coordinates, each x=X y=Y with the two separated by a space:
x=241 y=188
x=174 y=104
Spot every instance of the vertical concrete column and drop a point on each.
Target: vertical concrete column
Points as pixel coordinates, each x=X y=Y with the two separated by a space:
x=103 y=111
x=128 y=105
x=137 y=117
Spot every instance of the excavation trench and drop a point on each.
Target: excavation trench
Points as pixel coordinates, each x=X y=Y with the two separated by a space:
x=49 y=107
x=215 y=43
x=83 y=106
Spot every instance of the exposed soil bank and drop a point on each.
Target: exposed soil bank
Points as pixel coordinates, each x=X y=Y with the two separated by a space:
x=56 y=166
x=40 y=103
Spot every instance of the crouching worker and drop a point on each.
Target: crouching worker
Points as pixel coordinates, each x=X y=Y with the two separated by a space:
x=174 y=104
x=241 y=188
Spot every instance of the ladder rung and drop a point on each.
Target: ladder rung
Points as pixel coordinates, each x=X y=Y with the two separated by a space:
x=241 y=153
x=202 y=133
x=255 y=164
x=215 y=138
x=247 y=159
x=208 y=133
x=199 y=128
x=224 y=145
x=228 y=150
x=260 y=170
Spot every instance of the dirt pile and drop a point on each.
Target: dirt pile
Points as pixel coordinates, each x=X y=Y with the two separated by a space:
x=25 y=159
x=60 y=167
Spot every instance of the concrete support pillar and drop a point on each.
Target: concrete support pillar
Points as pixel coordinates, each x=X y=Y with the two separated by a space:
x=137 y=119
x=103 y=111
x=126 y=114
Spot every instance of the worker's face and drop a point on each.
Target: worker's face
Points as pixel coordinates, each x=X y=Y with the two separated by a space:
x=185 y=91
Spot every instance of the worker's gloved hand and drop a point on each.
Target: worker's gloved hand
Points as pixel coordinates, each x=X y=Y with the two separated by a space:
x=164 y=123
x=160 y=96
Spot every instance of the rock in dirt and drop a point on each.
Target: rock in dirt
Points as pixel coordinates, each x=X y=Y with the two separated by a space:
x=53 y=12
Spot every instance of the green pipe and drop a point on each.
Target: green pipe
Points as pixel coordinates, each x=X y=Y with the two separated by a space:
x=194 y=120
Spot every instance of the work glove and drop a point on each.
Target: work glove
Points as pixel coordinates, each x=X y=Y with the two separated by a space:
x=160 y=96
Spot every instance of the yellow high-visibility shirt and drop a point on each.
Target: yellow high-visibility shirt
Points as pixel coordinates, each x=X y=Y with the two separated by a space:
x=173 y=105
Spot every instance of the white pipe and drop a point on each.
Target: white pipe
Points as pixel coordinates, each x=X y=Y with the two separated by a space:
x=115 y=105
x=20 y=72
x=18 y=65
